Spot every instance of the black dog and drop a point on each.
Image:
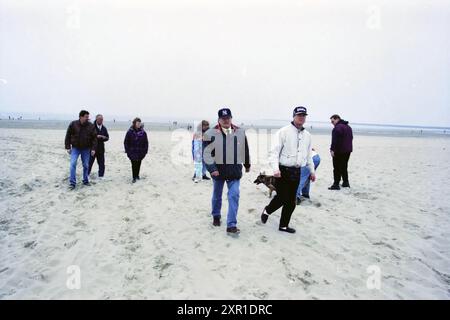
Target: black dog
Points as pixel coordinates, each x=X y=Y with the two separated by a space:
x=268 y=181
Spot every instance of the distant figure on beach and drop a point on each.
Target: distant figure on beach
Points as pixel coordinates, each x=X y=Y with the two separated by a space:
x=305 y=178
x=136 y=146
x=341 y=148
x=81 y=140
x=102 y=137
x=292 y=149
x=226 y=149
x=197 y=152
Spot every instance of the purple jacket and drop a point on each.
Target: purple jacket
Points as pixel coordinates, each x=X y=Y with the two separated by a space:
x=342 y=138
x=136 y=144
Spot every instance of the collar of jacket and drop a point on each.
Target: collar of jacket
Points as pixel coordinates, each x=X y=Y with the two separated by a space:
x=301 y=129
x=218 y=127
x=83 y=124
x=135 y=129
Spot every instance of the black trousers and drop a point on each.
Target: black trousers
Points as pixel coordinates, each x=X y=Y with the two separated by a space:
x=101 y=163
x=136 y=168
x=340 y=167
x=286 y=195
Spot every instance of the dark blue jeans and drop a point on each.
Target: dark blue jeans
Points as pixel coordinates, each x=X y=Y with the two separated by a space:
x=85 y=156
x=233 y=200
x=101 y=163
x=304 y=186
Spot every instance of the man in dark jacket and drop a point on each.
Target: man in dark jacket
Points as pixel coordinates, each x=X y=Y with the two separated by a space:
x=341 y=148
x=226 y=149
x=102 y=137
x=81 y=140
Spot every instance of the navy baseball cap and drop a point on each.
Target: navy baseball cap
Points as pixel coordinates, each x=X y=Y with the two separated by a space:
x=225 y=113
x=300 y=110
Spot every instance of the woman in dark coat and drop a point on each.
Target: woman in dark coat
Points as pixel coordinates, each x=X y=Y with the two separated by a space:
x=136 y=146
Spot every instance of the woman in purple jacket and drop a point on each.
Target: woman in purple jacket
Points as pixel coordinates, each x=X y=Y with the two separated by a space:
x=341 y=148
x=136 y=146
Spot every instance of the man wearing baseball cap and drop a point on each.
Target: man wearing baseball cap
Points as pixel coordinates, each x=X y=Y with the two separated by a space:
x=226 y=152
x=290 y=151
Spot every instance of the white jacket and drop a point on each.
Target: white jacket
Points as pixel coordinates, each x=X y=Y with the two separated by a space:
x=291 y=148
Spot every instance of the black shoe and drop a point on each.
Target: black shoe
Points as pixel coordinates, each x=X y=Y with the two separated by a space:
x=134 y=180
x=72 y=187
x=205 y=177
x=287 y=229
x=305 y=196
x=139 y=178
x=233 y=230
x=264 y=216
x=299 y=201
x=216 y=221
x=87 y=184
x=346 y=185
x=334 y=187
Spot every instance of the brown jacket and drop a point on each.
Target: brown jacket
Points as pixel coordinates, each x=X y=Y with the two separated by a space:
x=81 y=136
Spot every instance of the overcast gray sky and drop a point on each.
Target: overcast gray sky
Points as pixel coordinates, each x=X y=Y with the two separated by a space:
x=370 y=61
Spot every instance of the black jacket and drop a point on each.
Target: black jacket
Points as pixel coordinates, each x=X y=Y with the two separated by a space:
x=136 y=144
x=342 y=138
x=215 y=153
x=101 y=141
x=81 y=136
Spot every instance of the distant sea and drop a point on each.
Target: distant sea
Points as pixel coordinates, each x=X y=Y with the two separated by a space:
x=314 y=127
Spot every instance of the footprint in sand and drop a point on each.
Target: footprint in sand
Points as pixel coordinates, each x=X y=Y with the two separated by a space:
x=364 y=196
x=145 y=230
x=70 y=244
x=4 y=225
x=80 y=224
x=30 y=244
x=161 y=266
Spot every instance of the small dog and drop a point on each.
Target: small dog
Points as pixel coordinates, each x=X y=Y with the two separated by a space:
x=268 y=181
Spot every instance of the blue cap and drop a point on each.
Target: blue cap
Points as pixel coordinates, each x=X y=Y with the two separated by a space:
x=300 y=110
x=225 y=113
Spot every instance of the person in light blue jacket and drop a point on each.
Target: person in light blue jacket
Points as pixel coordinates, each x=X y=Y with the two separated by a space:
x=197 y=153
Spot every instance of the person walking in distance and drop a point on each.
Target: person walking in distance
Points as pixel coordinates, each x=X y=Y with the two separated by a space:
x=197 y=152
x=340 y=150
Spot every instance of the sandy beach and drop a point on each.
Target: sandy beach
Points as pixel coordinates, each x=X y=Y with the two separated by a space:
x=155 y=240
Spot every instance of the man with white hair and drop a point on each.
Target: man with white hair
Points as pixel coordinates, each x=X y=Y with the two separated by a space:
x=102 y=137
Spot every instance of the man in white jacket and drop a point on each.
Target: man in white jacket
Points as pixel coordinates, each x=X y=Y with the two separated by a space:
x=291 y=150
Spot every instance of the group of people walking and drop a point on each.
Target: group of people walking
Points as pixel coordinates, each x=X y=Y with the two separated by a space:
x=223 y=151
x=87 y=140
